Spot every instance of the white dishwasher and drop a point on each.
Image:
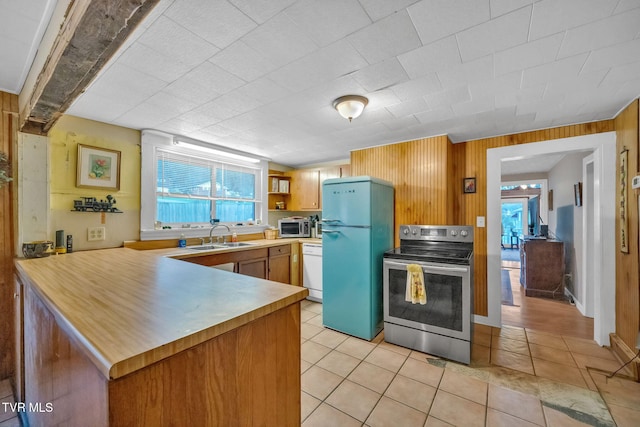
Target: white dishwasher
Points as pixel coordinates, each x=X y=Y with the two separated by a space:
x=312 y=270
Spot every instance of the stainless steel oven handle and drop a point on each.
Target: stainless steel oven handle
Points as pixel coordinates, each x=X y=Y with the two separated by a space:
x=430 y=267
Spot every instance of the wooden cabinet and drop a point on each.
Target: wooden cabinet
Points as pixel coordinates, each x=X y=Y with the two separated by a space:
x=306 y=186
x=254 y=267
x=250 y=262
x=273 y=263
x=280 y=264
x=542 y=268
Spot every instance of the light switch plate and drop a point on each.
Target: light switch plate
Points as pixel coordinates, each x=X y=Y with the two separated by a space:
x=480 y=221
x=95 y=234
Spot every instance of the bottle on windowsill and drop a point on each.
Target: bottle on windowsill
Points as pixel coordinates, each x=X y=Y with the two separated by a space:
x=234 y=237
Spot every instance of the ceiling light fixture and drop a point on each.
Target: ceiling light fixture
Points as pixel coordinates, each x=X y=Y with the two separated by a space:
x=350 y=106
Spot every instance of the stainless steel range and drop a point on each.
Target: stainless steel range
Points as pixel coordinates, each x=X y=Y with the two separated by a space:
x=443 y=256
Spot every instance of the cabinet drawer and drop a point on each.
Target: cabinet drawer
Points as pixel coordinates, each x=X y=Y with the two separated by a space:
x=280 y=250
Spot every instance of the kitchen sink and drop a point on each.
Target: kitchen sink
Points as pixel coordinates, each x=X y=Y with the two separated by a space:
x=219 y=246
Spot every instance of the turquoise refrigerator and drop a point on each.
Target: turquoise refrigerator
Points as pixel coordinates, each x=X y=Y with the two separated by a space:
x=357 y=228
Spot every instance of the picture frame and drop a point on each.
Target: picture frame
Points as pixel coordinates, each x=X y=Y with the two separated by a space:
x=469 y=185
x=577 y=194
x=98 y=168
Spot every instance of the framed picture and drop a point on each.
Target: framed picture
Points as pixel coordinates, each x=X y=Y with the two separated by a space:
x=577 y=194
x=98 y=168
x=469 y=185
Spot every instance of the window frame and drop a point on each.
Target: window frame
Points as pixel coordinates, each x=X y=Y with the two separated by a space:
x=151 y=142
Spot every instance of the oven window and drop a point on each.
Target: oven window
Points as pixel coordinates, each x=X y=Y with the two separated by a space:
x=290 y=228
x=444 y=300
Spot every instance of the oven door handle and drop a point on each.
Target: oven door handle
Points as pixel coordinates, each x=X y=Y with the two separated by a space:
x=430 y=267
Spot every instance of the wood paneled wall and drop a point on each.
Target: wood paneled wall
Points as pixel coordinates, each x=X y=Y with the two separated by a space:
x=419 y=173
x=428 y=175
x=627 y=274
x=8 y=125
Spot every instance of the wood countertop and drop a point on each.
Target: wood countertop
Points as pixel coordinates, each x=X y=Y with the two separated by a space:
x=131 y=308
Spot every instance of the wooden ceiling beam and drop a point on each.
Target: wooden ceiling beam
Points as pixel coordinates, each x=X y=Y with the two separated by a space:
x=92 y=31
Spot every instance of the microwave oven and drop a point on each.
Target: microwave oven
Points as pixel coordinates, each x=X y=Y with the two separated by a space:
x=294 y=227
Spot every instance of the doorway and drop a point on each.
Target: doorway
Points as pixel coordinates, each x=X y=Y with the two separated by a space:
x=603 y=146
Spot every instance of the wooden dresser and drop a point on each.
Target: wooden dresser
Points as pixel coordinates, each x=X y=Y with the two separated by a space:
x=542 y=268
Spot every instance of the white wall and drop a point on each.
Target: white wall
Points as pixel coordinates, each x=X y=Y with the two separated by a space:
x=562 y=178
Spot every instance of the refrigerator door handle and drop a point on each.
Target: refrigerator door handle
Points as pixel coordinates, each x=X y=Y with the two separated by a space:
x=347 y=226
x=330 y=231
x=329 y=220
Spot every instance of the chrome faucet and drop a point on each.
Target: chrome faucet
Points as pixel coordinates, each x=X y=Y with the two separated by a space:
x=213 y=228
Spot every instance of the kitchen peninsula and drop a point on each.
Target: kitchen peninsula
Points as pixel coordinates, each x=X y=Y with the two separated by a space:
x=126 y=337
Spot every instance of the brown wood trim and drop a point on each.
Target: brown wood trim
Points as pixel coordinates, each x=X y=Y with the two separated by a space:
x=624 y=353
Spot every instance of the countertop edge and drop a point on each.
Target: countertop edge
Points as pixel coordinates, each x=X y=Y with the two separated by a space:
x=114 y=370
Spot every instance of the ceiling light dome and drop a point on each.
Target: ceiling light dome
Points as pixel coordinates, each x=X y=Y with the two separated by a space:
x=350 y=106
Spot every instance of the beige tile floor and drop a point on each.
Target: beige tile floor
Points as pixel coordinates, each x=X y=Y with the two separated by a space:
x=518 y=377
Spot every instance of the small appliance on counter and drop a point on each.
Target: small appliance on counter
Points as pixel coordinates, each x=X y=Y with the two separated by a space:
x=294 y=227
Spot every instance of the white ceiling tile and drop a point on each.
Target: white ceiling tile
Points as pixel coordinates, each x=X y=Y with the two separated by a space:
x=448 y=97
x=436 y=19
x=491 y=88
x=237 y=102
x=624 y=5
x=173 y=106
x=109 y=109
x=328 y=21
x=386 y=38
x=552 y=16
x=528 y=55
x=495 y=35
x=478 y=70
x=191 y=90
x=613 y=56
x=401 y=122
x=261 y=11
x=127 y=85
x=280 y=40
x=153 y=63
x=242 y=61
x=563 y=69
x=408 y=108
x=502 y=7
x=263 y=90
x=476 y=105
x=584 y=82
x=171 y=39
x=382 y=99
x=208 y=114
x=622 y=73
x=13 y=62
x=381 y=75
x=214 y=78
x=378 y=9
x=325 y=64
x=417 y=88
x=144 y=116
x=216 y=21
x=516 y=97
x=178 y=126
x=436 y=56
x=606 y=32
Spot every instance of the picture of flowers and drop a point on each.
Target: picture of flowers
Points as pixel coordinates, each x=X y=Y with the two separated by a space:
x=98 y=168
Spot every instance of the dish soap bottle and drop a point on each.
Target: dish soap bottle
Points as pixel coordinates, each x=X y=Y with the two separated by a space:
x=182 y=243
x=234 y=237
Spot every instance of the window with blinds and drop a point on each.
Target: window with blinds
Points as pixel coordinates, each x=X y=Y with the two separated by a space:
x=192 y=189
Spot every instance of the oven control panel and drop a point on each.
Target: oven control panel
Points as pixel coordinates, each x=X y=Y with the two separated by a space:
x=449 y=233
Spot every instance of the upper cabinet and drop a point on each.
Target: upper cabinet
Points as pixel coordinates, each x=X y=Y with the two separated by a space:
x=306 y=186
x=279 y=191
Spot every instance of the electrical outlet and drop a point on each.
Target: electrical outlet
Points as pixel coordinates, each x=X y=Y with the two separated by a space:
x=95 y=234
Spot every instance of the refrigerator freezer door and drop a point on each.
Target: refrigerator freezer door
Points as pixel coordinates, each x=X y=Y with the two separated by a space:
x=346 y=203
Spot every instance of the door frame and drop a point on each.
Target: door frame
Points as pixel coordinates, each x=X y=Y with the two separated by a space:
x=604 y=149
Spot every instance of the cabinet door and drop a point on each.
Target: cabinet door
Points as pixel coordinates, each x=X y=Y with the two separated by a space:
x=18 y=302
x=305 y=189
x=256 y=267
x=280 y=269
